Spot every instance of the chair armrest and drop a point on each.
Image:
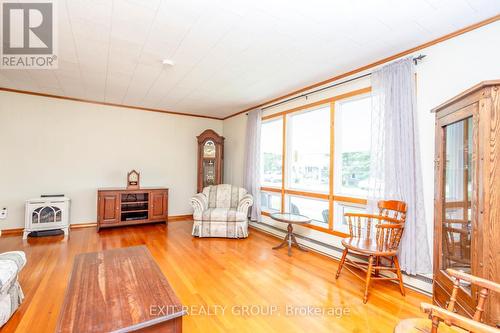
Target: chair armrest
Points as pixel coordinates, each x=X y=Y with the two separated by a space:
x=474 y=280
x=365 y=217
x=389 y=226
x=18 y=257
x=451 y=318
x=199 y=202
x=245 y=203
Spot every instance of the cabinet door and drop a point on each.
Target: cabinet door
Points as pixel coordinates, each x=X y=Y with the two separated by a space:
x=158 y=205
x=109 y=207
x=456 y=202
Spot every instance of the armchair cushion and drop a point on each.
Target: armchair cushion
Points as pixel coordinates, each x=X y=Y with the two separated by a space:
x=11 y=294
x=221 y=215
x=10 y=301
x=11 y=264
x=224 y=195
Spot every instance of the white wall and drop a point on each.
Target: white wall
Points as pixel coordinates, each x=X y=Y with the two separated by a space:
x=449 y=68
x=58 y=146
x=234 y=149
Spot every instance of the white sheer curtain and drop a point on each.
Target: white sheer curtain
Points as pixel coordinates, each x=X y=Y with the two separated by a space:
x=455 y=162
x=252 y=161
x=395 y=157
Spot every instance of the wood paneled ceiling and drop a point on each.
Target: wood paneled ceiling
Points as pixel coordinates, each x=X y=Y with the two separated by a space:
x=228 y=54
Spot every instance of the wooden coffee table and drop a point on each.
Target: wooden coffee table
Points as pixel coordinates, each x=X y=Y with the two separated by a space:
x=119 y=290
x=290 y=237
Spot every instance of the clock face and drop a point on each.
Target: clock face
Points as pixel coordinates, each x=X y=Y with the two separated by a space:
x=133 y=177
x=209 y=149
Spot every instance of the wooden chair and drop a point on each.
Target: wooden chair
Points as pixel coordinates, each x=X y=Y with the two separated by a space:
x=380 y=247
x=453 y=322
x=457 y=245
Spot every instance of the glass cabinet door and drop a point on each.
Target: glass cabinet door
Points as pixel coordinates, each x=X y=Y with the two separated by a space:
x=209 y=163
x=457 y=208
x=209 y=172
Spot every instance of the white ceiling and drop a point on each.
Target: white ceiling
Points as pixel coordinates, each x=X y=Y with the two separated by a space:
x=229 y=54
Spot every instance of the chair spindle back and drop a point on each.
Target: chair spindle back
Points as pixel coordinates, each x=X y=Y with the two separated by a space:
x=389 y=224
x=394 y=209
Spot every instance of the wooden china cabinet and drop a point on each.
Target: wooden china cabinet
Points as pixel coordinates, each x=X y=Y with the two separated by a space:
x=210 y=159
x=467 y=196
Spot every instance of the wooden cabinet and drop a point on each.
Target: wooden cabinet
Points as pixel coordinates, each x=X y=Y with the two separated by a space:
x=467 y=195
x=109 y=207
x=158 y=205
x=118 y=207
x=210 y=159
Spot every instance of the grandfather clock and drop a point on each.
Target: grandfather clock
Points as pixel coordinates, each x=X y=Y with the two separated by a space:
x=210 y=159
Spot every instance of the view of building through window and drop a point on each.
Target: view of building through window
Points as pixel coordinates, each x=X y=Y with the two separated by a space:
x=270 y=202
x=271 y=153
x=315 y=209
x=352 y=146
x=308 y=142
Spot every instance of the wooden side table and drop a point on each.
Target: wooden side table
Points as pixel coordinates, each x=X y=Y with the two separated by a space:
x=290 y=237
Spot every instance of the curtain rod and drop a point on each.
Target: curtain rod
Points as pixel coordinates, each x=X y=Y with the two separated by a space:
x=415 y=60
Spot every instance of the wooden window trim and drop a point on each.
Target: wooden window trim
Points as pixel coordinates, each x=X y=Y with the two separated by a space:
x=316 y=195
x=359 y=201
x=325 y=230
x=271 y=189
x=330 y=197
x=317 y=228
x=332 y=163
x=320 y=102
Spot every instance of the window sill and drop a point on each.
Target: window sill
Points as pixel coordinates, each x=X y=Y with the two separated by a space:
x=317 y=228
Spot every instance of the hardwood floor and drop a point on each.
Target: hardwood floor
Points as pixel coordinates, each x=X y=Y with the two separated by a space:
x=228 y=285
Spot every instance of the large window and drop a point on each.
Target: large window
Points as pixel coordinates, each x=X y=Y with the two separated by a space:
x=272 y=153
x=270 y=202
x=340 y=208
x=352 y=146
x=315 y=209
x=316 y=160
x=308 y=139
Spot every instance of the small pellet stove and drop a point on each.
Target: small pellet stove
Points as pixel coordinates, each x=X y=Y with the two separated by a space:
x=46 y=213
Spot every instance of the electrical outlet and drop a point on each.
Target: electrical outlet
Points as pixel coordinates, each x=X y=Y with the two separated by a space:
x=3 y=213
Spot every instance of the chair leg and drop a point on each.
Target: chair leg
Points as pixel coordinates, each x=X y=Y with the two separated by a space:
x=400 y=277
x=435 y=325
x=368 y=278
x=341 y=264
x=377 y=263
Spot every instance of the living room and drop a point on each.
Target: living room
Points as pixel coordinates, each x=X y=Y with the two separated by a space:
x=250 y=166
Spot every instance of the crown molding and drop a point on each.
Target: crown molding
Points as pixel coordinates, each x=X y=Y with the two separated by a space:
x=107 y=103
x=374 y=64
x=295 y=92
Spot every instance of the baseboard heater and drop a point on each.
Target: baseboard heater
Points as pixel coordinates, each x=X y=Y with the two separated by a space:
x=425 y=283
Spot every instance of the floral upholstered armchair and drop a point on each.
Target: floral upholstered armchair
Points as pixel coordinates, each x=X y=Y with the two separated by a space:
x=221 y=211
x=11 y=294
